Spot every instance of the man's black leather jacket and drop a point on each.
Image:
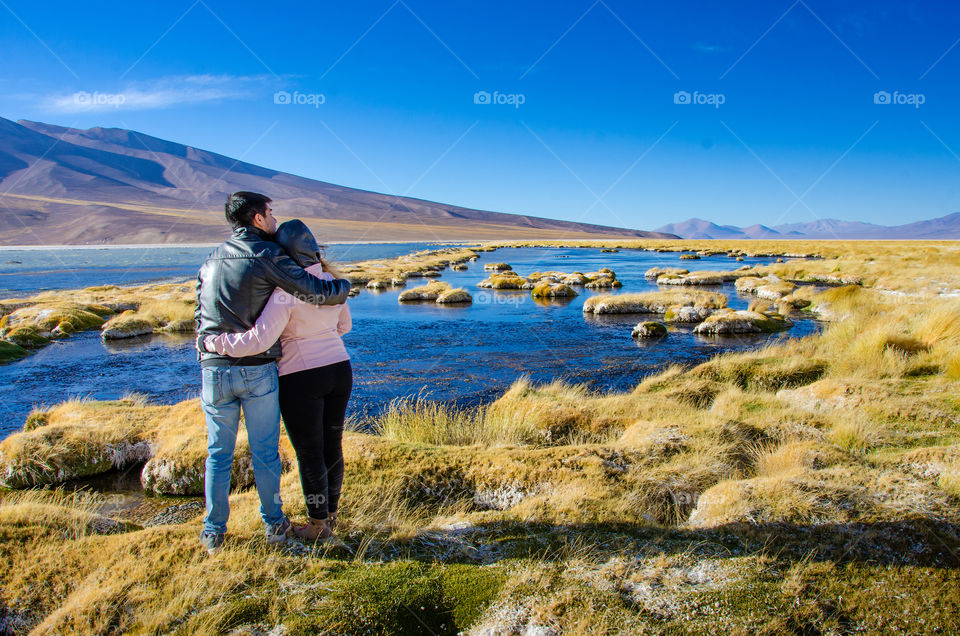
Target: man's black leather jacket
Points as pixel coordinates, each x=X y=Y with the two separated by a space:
x=236 y=281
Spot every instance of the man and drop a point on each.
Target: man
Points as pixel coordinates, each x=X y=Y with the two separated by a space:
x=234 y=285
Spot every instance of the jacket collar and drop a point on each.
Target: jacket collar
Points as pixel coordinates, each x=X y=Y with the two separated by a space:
x=249 y=230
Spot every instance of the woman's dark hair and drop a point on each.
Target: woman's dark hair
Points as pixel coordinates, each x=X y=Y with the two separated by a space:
x=241 y=207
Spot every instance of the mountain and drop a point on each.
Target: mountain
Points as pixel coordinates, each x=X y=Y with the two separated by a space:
x=700 y=229
x=942 y=228
x=114 y=186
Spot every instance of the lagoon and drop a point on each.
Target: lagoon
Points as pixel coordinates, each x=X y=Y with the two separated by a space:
x=464 y=354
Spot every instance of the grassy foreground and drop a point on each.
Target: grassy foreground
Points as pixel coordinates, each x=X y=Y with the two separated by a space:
x=812 y=486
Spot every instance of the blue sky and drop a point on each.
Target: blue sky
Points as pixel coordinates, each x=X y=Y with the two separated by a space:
x=578 y=115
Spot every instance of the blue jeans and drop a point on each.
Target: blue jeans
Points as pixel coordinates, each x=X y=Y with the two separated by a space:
x=224 y=391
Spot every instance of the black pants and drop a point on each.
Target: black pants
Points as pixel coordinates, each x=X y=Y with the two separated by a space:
x=313 y=403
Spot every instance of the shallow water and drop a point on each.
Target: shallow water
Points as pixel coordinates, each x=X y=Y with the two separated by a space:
x=467 y=354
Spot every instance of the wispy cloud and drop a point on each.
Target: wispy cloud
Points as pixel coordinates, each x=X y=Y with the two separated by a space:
x=164 y=92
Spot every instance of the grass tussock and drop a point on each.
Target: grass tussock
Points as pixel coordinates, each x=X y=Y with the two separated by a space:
x=659 y=302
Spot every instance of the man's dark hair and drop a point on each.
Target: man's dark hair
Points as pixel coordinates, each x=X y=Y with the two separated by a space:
x=243 y=206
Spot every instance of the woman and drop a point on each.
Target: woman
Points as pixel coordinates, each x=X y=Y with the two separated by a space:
x=315 y=378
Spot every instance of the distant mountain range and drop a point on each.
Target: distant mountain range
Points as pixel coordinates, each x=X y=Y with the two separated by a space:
x=944 y=228
x=110 y=185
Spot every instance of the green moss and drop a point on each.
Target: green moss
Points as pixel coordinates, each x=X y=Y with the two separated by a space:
x=402 y=597
x=28 y=337
x=10 y=351
x=69 y=319
x=471 y=589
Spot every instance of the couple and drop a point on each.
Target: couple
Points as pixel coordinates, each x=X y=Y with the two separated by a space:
x=264 y=295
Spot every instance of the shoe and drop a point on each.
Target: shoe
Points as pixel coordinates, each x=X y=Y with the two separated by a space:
x=277 y=533
x=313 y=530
x=212 y=541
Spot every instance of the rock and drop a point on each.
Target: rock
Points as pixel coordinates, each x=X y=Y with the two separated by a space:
x=171 y=475
x=498 y=267
x=378 y=283
x=649 y=330
x=689 y=257
x=180 y=513
x=459 y=267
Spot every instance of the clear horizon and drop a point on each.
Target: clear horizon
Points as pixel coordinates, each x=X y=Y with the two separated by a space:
x=601 y=112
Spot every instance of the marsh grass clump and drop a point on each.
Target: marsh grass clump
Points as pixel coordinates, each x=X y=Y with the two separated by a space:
x=497 y=267
x=458 y=296
x=691 y=278
x=552 y=290
x=157 y=315
x=421 y=421
x=507 y=280
x=603 y=278
x=653 y=302
x=656 y=272
x=34 y=325
x=729 y=321
x=763 y=370
x=430 y=291
x=129 y=324
x=35 y=419
x=378 y=284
